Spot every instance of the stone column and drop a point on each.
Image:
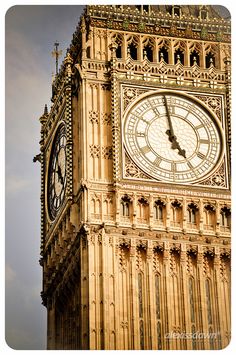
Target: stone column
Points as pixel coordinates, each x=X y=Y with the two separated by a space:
x=218 y=306
x=167 y=300
x=150 y=300
x=134 y=305
x=51 y=325
x=184 y=297
x=203 y=325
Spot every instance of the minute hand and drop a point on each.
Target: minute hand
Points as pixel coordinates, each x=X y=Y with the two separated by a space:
x=170 y=132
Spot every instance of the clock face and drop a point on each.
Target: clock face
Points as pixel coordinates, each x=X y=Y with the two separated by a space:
x=57 y=173
x=173 y=138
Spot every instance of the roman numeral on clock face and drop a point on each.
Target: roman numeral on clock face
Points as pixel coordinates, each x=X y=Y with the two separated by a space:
x=157 y=161
x=140 y=134
x=145 y=149
x=200 y=155
x=204 y=141
x=173 y=167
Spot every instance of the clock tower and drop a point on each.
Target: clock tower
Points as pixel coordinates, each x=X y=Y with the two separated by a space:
x=135 y=182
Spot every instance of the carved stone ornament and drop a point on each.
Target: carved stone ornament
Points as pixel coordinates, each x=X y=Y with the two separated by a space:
x=131 y=93
x=217 y=179
x=132 y=171
x=214 y=103
x=94 y=150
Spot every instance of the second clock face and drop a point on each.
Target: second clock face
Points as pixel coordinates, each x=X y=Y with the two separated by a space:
x=57 y=173
x=173 y=138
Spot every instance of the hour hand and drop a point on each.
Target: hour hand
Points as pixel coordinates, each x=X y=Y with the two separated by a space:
x=175 y=145
x=60 y=174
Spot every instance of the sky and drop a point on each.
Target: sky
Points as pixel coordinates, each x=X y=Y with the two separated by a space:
x=30 y=34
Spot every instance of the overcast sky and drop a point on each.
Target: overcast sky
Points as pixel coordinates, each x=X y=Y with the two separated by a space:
x=30 y=34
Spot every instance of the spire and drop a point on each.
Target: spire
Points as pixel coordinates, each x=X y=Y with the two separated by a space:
x=44 y=116
x=45 y=110
x=56 y=53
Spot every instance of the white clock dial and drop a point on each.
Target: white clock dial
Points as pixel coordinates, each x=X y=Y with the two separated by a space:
x=173 y=137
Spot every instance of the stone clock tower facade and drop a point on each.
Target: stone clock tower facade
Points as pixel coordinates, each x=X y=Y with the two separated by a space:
x=135 y=182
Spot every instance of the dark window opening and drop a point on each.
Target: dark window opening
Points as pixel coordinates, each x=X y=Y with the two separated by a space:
x=88 y=54
x=169 y=9
x=146 y=8
x=163 y=53
x=133 y=51
x=194 y=58
x=179 y=55
x=176 y=11
x=149 y=53
x=118 y=52
x=210 y=59
x=138 y=7
x=203 y=14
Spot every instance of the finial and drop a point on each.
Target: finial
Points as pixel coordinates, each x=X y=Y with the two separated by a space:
x=56 y=53
x=211 y=62
x=162 y=56
x=194 y=60
x=178 y=58
x=45 y=110
x=144 y=54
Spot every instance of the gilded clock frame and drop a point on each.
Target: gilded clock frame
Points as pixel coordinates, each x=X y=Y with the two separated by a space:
x=143 y=91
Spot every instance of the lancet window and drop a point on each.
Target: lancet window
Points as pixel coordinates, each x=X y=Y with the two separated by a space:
x=132 y=48
x=176 y=213
x=209 y=216
x=158 y=211
x=142 y=210
x=148 y=49
x=225 y=218
x=125 y=206
x=192 y=211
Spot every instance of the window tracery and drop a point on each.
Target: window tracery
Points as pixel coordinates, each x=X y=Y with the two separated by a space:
x=125 y=206
x=143 y=210
x=148 y=49
x=176 y=213
x=158 y=210
x=225 y=218
x=209 y=217
x=132 y=47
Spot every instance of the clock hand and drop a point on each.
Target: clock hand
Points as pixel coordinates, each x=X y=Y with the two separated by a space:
x=175 y=145
x=60 y=174
x=170 y=132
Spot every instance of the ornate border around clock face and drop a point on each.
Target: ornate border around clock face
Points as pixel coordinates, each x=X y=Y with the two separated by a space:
x=131 y=170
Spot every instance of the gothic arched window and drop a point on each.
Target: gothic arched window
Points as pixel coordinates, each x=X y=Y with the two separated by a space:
x=142 y=216
x=133 y=50
x=158 y=211
x=194 y=58
x=125 y=206
x=209 y=217
x=192 y=213
x=210 y=60
x=203 y=13
x=176 y=213
x=179 y=56
x=176 y=11
x=148 y=52
x=225 y=218
x=163 y=54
